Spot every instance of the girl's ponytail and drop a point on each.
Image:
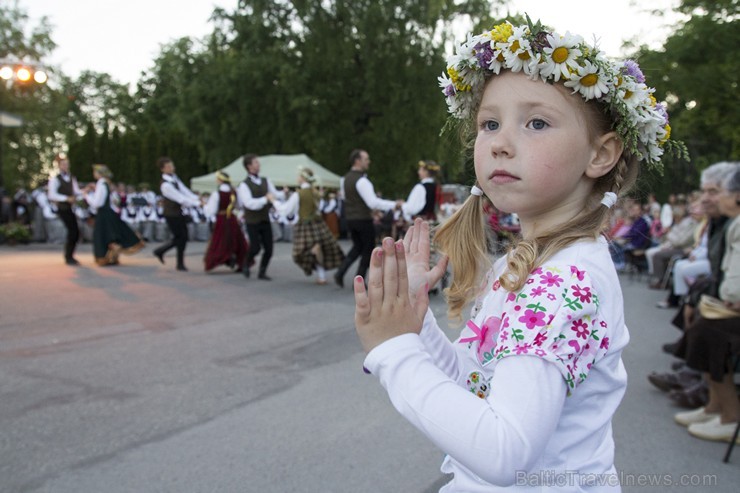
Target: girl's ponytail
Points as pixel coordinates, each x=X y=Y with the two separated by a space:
x=463 y=239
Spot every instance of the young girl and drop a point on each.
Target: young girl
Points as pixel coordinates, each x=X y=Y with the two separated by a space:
x=523 y=400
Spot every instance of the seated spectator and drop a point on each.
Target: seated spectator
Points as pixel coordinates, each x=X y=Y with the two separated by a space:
x=711 y=343
x=656 y=227
x=636 y=238
x=676 y=242
x=713 y=235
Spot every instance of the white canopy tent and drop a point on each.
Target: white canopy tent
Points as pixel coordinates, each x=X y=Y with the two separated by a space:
x=282 y=170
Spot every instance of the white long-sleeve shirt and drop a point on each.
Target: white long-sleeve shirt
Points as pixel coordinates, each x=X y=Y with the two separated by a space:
x=53 y=191
x=180 y=194
x=417 y=199
x=523 y=400
x=211 y=207
x=96 y=200
x=290 y=206
x=366 y=190
x=256 y=203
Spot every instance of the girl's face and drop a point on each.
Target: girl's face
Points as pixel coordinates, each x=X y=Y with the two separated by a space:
x=533 y=155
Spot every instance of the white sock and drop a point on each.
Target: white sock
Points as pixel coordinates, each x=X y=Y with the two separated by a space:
x=321 y=273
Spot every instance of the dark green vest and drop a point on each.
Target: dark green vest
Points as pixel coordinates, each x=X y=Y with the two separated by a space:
x=354 y=207
x=170 y=208
x=261 y=215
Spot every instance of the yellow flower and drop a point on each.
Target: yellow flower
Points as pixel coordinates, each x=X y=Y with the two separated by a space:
x=667 y=135
x=457 y=80
x=653 y=101
x=502 y=32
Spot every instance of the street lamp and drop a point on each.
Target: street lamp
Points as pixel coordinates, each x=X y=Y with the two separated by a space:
x=23 y=73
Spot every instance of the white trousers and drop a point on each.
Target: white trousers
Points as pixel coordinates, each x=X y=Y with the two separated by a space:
x=685 y=271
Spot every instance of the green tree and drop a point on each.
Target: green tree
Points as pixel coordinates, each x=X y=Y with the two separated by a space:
x=320 y=78
x=25 y=150
x=696 y=72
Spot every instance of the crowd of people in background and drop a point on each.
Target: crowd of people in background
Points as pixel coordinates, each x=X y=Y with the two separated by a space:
x=63 y=211
x=690 y=248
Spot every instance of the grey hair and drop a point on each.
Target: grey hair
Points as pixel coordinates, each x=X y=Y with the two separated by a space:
x=718 y=172
x=732 y=181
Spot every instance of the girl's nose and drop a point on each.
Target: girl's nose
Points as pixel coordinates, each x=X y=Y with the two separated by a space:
x=501 y=144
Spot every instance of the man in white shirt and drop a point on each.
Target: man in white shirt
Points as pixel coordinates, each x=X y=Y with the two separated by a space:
x=175 y=196
x=359 y=202
x=256 y=193
x=63 y=192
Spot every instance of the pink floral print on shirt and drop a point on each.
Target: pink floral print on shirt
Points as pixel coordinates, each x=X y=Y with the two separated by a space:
x=555 y=316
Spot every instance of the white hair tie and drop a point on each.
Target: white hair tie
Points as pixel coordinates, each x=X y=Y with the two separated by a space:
x=474 y=190
x=610 y=198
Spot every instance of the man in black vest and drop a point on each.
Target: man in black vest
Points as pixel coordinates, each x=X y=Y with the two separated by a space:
x=256 y=193
x=63 y=192
x=359 y=202
x=175 y=196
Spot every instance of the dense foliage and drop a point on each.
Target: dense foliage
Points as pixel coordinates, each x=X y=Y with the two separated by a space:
x=322 y=78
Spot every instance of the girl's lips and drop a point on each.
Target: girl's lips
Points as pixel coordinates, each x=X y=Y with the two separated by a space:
x=502 y=177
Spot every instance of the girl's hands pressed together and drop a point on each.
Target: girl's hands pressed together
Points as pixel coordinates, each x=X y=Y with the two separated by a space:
x=384 y=310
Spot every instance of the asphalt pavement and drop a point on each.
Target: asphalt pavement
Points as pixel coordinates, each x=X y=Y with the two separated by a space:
x=139 y=378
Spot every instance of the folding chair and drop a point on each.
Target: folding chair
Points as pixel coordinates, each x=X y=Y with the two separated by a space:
x=666 y=280
x=731 y=446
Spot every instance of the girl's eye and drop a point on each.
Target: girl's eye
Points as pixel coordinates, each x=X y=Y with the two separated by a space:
x=538 y=124
x=490 y=125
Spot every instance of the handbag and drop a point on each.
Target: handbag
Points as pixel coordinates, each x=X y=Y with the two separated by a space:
x=712 y=308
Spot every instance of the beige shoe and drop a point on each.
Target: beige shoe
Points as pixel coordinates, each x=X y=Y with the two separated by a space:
x=687 y=418
x=715 y=430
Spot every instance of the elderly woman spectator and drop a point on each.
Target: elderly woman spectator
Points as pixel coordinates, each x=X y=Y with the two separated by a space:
x=713 y=339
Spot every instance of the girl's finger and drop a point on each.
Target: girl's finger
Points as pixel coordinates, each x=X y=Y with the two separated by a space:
x=390 y=270
x=414 y=243
x=407 y=238
x=362 y=303
x=403 y=277
x=375 y=279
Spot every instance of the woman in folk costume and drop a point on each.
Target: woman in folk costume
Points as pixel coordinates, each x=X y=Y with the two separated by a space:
x=330 y=213
x=424 y=200
x=111 y=236
x=314 y=247
x=227 y=245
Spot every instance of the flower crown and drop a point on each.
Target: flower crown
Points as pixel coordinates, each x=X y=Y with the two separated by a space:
x=640 y=121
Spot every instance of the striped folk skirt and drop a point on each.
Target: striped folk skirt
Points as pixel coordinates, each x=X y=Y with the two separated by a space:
x=307 y=234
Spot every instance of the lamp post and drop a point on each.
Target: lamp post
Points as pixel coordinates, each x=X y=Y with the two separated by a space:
x=13 y=71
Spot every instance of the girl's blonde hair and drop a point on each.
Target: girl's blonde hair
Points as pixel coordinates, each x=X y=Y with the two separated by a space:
x=463 y=237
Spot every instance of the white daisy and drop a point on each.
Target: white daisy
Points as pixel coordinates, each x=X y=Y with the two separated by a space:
x=561 y=55
x=589 y=81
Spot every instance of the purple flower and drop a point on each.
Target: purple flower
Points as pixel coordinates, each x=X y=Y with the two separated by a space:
x=484 y=54
x=449 y=90
x=604 y=343
x=632 y=68
x=660 y=109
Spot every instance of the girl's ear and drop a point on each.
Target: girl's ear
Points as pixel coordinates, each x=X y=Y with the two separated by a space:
x=608 y=150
